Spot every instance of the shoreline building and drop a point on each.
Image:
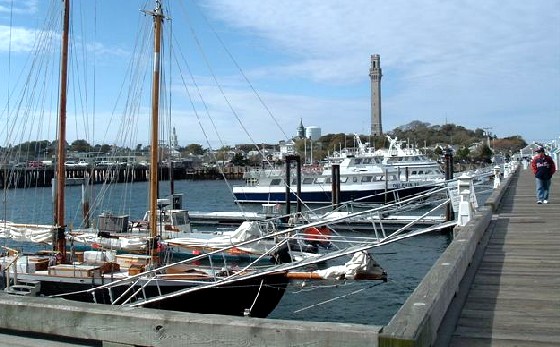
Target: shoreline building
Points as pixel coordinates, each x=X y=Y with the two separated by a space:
x=313 y=133
x=375 y=75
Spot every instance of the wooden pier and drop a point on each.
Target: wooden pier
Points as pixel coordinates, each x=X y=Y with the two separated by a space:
x=514 y=297
x=42 y=177
x=498 y=282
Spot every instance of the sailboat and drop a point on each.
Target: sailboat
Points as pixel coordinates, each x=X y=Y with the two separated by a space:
x=146 y=280
x=53 y=274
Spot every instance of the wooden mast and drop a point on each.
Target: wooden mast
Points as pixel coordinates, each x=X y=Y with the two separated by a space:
x=61 y=151
x=154 y=148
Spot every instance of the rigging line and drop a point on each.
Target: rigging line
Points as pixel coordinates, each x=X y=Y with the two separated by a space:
x=337 y=298
x=207 y=111
x=278 y=268
x=197 y=114
x=243 y=74
x=219 y=85
x=256 y=297
x=205 y=58
x=4 y=160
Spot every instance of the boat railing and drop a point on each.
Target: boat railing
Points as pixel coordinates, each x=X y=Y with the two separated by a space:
x=11 y=264
x=382 y=237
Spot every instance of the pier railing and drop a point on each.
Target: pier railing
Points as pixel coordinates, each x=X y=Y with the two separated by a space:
x=418 y=320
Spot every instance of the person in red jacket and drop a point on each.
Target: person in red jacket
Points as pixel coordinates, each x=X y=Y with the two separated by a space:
x=543 y=167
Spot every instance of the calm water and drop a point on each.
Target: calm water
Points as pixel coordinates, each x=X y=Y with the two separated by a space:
x=406 y=262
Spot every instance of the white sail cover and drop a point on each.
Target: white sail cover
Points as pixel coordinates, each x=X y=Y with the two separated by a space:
x=362 y=262
x=246 y=231
x=40 y=233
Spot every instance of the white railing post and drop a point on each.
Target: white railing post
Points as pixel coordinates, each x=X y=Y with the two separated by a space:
x=465 y=188
x=525 y=164
x=496 y=177
x=506 y=170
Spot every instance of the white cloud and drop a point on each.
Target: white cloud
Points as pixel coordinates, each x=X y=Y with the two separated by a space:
x=468 y=60
x=17 y=39
x=18 y=7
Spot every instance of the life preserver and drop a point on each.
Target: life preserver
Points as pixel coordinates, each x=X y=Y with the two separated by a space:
x=319 y=235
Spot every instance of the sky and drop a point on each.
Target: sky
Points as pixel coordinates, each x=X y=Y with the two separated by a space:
x=248 y=71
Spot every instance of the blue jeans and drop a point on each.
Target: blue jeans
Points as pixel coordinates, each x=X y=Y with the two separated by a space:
x=543 y=187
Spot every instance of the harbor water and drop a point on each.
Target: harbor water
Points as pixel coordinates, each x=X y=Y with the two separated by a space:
x=364 y=302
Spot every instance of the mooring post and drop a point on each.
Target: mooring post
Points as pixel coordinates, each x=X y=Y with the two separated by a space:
x=289 y=159
x=449 y=176
x=466 y=208
x=335 y=186
x=287 y=182
x=298 y=181
x=496 y=177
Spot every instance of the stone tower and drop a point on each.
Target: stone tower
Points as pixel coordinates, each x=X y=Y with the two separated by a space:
x=375 y=75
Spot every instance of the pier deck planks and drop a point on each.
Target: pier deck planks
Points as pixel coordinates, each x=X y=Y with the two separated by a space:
x=514 y=299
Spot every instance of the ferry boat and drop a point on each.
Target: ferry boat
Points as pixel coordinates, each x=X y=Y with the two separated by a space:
x=366 y=175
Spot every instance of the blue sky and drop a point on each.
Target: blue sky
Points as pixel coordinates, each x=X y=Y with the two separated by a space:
x=480 y=64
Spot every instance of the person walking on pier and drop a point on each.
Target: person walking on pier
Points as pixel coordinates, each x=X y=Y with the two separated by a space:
x=543 y=167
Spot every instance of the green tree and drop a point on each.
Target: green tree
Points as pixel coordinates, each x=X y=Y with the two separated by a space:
x=483 y=154
x=80 y=146
x=463 y=154
x=193 y=148
x=105 y=148
x=238 y=159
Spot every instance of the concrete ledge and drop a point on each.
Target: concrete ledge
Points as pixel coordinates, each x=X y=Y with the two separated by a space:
x=138 y=326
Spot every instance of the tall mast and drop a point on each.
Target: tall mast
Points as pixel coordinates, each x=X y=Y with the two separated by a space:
x=154 y=148
x=60 y=169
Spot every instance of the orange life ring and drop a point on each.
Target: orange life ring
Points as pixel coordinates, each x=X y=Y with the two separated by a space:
x=321 y=234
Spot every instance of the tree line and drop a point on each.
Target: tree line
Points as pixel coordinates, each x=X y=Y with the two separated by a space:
x=420 y=134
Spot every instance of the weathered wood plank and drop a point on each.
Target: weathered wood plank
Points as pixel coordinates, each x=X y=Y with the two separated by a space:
x=514 y=298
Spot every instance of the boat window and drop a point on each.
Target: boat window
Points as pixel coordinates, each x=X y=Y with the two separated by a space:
x=392 y=177
x=308 y=180
x=428 y=172
x=343 y=179
x=328 y=180
x=180 y=218
x=367 y=161
x=275 y=182
x=420 y=172
x=354 y=179
x=164 y=217
x=357 y=161
x=414 y=172
x=367 y=178
x=320 y=180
